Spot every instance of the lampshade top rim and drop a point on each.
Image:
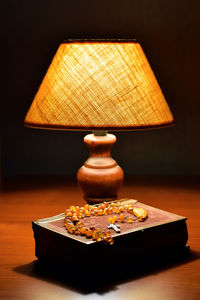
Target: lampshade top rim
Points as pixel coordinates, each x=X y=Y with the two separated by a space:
x=78 y=41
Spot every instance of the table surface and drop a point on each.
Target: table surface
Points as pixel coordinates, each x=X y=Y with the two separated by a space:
x=25 y=199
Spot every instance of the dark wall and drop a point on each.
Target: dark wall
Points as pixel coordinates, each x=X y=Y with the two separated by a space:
x=169 y=34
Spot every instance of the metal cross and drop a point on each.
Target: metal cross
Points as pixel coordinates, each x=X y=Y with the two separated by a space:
x=114 y=227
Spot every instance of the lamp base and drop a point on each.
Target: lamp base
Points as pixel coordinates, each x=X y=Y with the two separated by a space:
x=100 y=177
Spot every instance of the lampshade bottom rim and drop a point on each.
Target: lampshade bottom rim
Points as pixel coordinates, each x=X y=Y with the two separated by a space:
x=91 y=128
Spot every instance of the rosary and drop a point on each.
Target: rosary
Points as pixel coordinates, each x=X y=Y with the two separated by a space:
x=74 y=214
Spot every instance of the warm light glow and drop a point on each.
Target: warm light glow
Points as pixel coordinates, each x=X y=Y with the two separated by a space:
x=99 y=85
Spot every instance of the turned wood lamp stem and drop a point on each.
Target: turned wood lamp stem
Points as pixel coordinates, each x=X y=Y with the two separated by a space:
x=100 y=177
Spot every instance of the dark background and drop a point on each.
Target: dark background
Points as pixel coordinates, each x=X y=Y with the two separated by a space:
x=169 y=34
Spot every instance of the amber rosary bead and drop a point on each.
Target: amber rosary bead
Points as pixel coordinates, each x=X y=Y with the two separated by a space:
x=74 y=214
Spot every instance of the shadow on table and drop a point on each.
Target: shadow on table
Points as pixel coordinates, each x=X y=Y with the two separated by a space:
x=92 y=276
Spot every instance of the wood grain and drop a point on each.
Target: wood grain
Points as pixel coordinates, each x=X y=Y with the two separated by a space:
x=25 y=199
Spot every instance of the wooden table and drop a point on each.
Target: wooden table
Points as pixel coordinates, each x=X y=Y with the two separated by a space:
x=25 y=199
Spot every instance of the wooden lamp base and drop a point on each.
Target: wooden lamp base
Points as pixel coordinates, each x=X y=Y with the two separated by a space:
x=100 y=177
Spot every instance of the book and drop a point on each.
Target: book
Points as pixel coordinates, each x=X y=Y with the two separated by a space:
x=162 y=232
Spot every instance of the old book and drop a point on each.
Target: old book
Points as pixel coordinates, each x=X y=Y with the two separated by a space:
x=161 y=232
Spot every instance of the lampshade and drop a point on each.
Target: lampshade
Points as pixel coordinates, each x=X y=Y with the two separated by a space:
x=98 y=85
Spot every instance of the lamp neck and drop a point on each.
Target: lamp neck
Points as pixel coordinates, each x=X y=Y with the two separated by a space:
x=100 y=145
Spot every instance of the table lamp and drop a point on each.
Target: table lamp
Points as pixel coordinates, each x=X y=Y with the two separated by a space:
x=99 y=85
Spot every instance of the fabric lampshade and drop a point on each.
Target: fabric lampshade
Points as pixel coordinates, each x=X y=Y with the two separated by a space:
x=99 y=85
